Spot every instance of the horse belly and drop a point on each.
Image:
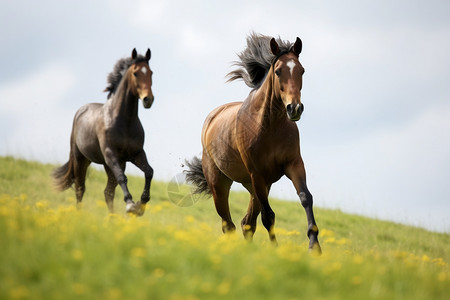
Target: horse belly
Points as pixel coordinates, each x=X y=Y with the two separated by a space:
x=230 y=163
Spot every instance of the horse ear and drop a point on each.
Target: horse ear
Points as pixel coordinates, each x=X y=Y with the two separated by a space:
x=297 y=48
x=134 y=53
x=148 y=54
x=274 y=47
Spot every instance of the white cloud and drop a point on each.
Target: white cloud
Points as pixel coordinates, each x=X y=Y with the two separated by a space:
x=398 y=173
x=43 y=88
x=38 y=120
x=144 y=13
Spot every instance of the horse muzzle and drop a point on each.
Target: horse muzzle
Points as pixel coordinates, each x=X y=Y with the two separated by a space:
x=294 y=111
x=148 y=101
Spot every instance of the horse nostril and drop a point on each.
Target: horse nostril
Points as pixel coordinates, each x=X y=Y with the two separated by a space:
x=148 y=101
x=289 y=108
x=301 y=108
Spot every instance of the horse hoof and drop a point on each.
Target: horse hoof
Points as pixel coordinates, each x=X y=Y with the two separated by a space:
x=137 y=209
x=315 y=249
x=129 y=206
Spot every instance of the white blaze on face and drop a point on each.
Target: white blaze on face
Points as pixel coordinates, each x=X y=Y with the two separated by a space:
x=291 y=65
x=144 y=70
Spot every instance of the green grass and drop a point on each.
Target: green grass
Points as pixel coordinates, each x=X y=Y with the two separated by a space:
x=51 y=250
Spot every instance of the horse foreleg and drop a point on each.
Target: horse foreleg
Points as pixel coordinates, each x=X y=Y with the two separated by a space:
x=141 y=162
x=267 y=215
x=248 y=223
x=296 y=173
x=118 y=169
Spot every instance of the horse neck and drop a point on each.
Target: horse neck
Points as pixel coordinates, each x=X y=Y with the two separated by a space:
x=123 y=103
x=268 y=103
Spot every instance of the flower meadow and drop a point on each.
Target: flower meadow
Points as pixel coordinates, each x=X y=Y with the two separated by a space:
x=50 y=249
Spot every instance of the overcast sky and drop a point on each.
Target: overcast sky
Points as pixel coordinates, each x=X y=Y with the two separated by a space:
x=375 y=134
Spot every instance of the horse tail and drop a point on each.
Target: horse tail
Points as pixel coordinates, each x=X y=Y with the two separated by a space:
x=64 y=176
x=196 y=177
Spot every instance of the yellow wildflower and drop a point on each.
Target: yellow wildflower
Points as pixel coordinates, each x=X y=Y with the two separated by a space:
x=334 y=267
x=356 y=280
x=19 y=292
x=224 y=287
x=77 y=254
x=330 y=240
x=156 y=208
x=79 y=288
x=439 y=262
x=326 y=233
x=42 y=204
x=114 y=293
x=343 y=241
x=442 y=276
x=159 y=273
x=358 y=259
x=100 y=204
x=138 y=252
x=189 y=219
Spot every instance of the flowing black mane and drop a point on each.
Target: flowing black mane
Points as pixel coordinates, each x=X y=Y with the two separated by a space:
x=120 y=68
x=256 y=59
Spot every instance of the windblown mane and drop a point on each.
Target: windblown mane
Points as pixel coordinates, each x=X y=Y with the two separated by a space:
x=256 y=59
x=120 y=68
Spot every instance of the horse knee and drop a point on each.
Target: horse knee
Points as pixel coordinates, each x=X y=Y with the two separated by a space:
x=305 y=199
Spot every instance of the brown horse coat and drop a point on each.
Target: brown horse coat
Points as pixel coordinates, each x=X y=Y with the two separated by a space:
x=256 y=142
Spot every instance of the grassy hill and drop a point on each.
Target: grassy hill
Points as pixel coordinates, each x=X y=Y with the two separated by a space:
x=51 y=250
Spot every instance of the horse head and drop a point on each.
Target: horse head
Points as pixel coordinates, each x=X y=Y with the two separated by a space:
x=141 y=78
x=288 y=78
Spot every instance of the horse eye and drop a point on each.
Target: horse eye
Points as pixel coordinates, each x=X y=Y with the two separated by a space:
x=278 y=72
x=135 y=74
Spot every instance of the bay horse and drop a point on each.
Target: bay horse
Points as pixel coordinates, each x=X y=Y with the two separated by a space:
x=111 y=134
x=256 y=142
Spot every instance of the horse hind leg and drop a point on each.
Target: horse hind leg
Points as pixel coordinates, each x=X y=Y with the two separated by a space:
x=80 y=169
x=110 y=189
x=220 y=192
x=220 y=189
x=141 y=162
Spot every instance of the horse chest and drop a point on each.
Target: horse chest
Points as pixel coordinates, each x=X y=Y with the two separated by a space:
x=268 y=152
x=125 y=137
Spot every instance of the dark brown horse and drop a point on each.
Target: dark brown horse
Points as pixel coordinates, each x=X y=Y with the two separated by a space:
x=111 y=134
x=256 y=142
